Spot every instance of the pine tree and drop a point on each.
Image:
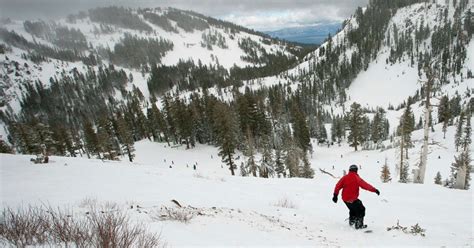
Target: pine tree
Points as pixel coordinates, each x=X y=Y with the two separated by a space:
x=266 y=168
x=307 y=171
x=4 y=147
x=444 y=113
x=243 y=170
x=459 y=131
x=462 y=163
x=90 y=137
x=279 y=164
x=301 y=130
x=379 y=127
x=355 y=122
x=105 y=138
x=250 y=153
x=226 y=134
x=292 y=161
x=402 y=165
x=385 y=174
x=438 y=180
x=125 y=136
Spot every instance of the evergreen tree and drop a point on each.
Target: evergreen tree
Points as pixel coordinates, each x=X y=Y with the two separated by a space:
x=91 y=141
x=279 y=164
x=307 y=171
x=444 y=113
x=385 y=173
x=266 y=168
x=301 y=130
x=355 y=121
x=226 y=134
x=125 y=136
x=243 y=170
x=438 y=180
x=459 y=131
x=462 y=163
x=407 y=122
x=379 y=127
x=402 y=165
x=250 y=153
x=292 y=160
x=105 y=138
x=4 y=147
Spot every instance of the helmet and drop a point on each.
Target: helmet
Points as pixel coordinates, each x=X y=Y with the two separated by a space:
x=353 y=168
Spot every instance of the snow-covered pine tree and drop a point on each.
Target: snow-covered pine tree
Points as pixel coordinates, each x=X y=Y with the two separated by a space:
x=355 y=121
x=461 y=167
x=279 y=164
x=444 y=113
x=379 y=127
x=90 y=137
x=306 y=170
x=459 y=129
x=243 y=170
x=125 y=136
x=438 y=180
x=4 y=147
x=249 y=152
x=385 y=173
x=402 y=165
x=292 y=159
x=226 y=134
x=266 y=168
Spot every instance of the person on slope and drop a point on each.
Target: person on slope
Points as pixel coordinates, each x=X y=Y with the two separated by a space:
x=350 y=184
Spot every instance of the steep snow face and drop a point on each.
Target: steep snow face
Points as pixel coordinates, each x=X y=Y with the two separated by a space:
x=382 y=84
x=236 y=207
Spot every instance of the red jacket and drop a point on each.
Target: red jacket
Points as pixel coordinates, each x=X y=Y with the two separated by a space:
x=350 y=184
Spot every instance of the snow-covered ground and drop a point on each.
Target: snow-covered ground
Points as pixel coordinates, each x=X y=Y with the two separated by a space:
x=243 y=210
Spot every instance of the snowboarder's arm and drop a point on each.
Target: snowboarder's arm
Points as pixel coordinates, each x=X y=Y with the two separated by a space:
x=366 y=186
x=339 y=186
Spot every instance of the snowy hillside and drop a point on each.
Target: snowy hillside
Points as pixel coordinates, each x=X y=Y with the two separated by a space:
x=188 y=43
x=138 y=111
x=45 y=49
x=249 y=211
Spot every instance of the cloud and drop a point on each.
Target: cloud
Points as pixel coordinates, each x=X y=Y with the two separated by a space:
x=257 y=14
x=274 y=20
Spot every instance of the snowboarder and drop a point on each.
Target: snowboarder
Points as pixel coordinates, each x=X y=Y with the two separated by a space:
x=350 y=184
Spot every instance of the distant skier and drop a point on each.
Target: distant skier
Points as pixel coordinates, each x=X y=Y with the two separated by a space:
x=350 y=184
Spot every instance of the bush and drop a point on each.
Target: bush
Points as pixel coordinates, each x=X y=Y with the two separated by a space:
x=45 y=226
x=285 y=203
x=181 y=214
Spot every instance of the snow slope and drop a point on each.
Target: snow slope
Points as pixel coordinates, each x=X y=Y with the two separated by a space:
x=243 y=211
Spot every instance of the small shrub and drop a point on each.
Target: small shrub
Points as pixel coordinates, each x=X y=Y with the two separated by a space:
x=45 y=226
x=415 y=229
x=182 y=214
x=285 y=203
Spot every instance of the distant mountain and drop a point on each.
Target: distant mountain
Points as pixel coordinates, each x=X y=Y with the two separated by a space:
x=315 y=34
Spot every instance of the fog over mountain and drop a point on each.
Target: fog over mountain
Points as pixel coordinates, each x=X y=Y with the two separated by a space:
x=259 y=15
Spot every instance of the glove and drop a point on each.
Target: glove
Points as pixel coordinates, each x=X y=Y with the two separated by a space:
x=334 y=198
x=377 y=192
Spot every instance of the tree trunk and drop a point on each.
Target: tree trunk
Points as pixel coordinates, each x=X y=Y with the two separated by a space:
x=402 y=143
x=461 y=177
x=420 y=175
x=129 y=154
x=231 y=165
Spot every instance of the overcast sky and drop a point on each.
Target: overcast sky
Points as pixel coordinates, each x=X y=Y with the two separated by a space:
x=257 y=14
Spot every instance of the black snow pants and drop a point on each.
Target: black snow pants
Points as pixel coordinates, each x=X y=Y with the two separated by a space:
x=356 y=213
